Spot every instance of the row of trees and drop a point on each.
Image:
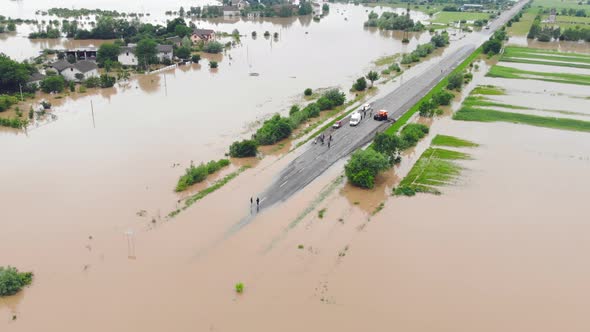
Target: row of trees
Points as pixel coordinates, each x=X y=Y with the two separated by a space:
x=278 y=127
x=547 y=33
x=393 y=21
x=423 y=50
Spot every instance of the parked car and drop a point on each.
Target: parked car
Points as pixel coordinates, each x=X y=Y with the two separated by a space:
x=337 y=124
x=381 y=115
x=355 y=119
x=366 y=107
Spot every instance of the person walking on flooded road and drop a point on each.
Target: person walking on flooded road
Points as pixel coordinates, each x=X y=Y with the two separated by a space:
x=251 y=200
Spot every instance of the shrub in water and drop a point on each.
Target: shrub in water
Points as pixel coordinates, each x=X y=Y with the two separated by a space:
x=245 y=148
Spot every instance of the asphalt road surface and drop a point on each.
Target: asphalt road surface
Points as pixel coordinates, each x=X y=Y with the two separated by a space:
x=317 y=158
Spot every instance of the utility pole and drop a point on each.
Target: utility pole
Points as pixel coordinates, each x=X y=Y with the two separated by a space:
x=21 y=92
x=92 y=109
x=165 y=85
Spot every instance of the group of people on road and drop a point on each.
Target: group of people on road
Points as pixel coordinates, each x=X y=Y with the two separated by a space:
x=322 y=139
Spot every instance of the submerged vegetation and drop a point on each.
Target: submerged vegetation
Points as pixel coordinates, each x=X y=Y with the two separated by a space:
x=542 y=57
x=509 y=72
x=444 y=140
x=488 y=115
x=434 y=168
x=199 y=173
x=12 y=281
x=201 y=194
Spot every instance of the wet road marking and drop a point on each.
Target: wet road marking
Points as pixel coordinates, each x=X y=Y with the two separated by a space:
x=283 y=184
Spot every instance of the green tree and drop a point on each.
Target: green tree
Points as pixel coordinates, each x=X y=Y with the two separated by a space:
x=196 y=58
x=146 y=52
x=53 y=84
x=305 y=8
x=492 y=46
x=213 y=64
x=107 y=51
x=360 y=84
x=213 y=47
x=12 y=281
x=388 y=145
x=13 y=73
x=372 y=76
x=455 y=81
x=11 y=26
x=307 y=92
x=245 y=148
x=363 y=167
x=182 y=52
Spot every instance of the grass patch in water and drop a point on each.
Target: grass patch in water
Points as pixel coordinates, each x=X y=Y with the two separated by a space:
x=488 y=90
x=472 y=101
x=201 y=194
x=434 y=168
x=507 y=72
x=386 y=60
x=321 y=213
x=444 y=140
x=546 y=63
x=486 y=115
x=514 y=51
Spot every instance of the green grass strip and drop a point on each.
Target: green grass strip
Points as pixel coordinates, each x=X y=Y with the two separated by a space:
x=480 y=101
x=507 y=72
x=486 y=115
x=488 y=90
x=444 y=140
x=557 y=62
x=441 y=85
x=434 y=168
x=512 y=51
x=201 y=194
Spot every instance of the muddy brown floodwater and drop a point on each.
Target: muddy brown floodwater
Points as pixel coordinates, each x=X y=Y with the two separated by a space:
x=73 y=185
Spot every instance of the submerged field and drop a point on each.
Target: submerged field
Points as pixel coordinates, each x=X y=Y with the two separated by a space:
x=562 y=104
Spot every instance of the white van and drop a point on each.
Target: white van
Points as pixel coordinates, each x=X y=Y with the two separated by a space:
x=355 y=118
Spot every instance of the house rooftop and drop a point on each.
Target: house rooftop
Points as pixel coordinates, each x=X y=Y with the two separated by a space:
x=60 y=65
x=202 y=32
x=164 y=48
x=85 y=66
x=174 y=39
x=35 y=77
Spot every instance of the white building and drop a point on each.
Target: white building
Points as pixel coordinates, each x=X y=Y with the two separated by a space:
x=76 y=72
x=126 y=56
x=164 y=52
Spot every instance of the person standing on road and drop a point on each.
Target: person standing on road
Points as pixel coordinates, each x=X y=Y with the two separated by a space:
x=329 y=144
x=257 y=202
x=330 y=139
x=251 y=201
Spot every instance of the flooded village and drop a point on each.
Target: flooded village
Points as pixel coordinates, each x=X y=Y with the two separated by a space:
x=262 y=166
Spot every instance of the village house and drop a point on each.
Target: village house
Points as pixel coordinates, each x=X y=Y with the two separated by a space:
x=35 y=78
x=469 y=7
x=127 y=55
x=164 y=52
x=231 y=11
x=77 y=71
x=175 y=40
x=254 y=14
x=82 y=53
x=203 y=35
x=240 y=4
